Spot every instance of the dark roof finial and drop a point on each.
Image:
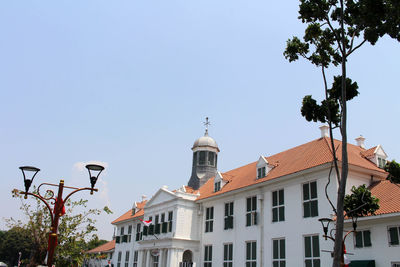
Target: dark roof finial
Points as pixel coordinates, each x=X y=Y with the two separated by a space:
x=206 y=123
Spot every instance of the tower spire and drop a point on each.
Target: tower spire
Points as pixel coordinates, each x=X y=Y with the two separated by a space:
x=206 y=123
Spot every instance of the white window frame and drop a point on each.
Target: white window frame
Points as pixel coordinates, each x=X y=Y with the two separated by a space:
x=310 y=199
x=252 y=211
x=280 y=258
x=362 y=239
x=217 y=186
x=127 y=258
x=312 y=257
x=228 y=212
x=209 y=220
x=261 y=172
x=398 y=235
x=395 y=264
x=135 y=258
x=278 y=207
x=119 y=258
x=228 y=261
x=208 y=260
x=251 y=261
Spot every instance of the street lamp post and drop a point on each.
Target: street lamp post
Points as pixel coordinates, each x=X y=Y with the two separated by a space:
x=325 y=226
x=48 y=199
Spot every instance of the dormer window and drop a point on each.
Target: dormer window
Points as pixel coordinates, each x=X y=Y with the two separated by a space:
x=263 y=167
x=261 y=172
x=217 y=186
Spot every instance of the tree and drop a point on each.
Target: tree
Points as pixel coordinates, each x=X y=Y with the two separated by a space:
x=360 y=202
x=14 y=241
x=335 y=29
x=393 y=168
x=74 y=230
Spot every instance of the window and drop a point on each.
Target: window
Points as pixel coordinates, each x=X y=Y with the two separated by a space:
x=261 y=172
x=394 y=235
x=217 y=186
x=209 y=219
x=363 y=239
x=138 y=233
x=251 y=254
x=164 y=224
x=211 y=158
x=228 y=220
x=135 y=258
x=170 y=217
x=208 y=256
x=310 y=201
x=122 y=230
x=278 y=253
x=127 y=259
x=381 y=163
x=278 y=207
x=117 y=239
x=311 y=251
x=119 y=259
x=155 y=261
x=157 y=225
x=228 y=255
x=129 y=233
x=395 y=264
x=202 y=158
x=251 y=214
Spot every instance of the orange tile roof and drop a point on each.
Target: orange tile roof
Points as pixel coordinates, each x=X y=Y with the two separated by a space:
x=103 y=248
x=368 y=153
x=389 y=197
x=306 y=156
x=128 y=215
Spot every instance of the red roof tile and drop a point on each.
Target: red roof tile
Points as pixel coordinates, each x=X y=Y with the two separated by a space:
x=309 y=155
x=128 y=215
x=103 y=248
x=388 y=195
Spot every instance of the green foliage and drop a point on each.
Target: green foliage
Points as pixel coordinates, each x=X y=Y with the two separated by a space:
x=364 y=21
x=329 y=109
x=74 y=231
x=360 y=203
x=14 y=241
x=393 y=168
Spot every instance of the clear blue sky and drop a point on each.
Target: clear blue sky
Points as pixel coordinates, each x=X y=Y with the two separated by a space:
x=129 y=83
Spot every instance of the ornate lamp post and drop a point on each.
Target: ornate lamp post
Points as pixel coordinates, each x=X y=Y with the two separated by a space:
x=325 y=226
x=29 y=174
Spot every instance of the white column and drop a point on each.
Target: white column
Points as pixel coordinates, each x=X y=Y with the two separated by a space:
x=148 y=258
x=160 y=258
x=167 y=258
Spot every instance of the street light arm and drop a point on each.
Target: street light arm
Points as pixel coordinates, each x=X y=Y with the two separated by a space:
x=43 y=200
x=77 y=190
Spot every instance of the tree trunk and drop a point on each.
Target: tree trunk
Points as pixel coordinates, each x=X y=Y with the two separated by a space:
x=338 y=249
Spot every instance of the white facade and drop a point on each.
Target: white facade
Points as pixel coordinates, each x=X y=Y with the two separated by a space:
x=198 y=225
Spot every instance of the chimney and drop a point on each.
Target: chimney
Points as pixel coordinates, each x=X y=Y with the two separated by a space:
x=324 y=130
x=144 y=197
x=360 y=141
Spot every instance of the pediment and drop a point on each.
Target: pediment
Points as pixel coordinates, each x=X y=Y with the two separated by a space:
x=262 y=162
x=162 y=195
x=380 y=152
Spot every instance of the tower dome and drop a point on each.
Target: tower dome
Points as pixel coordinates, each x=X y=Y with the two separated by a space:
x=205 y=142
x=205 y=155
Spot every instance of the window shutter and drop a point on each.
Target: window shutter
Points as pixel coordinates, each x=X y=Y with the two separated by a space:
x=275 y=214
x=170 y=226
x=394 y=237
x=255 y=218
x=359 y=240
x=248 y=219
x=306 y=208
x=314 y=208
x=281 y=214
x=367 y=238
x=275 y=249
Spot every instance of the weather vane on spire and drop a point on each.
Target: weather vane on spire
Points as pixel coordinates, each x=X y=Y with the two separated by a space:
x=207 y=123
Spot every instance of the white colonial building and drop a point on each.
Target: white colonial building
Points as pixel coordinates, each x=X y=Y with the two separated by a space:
x=262 y=214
